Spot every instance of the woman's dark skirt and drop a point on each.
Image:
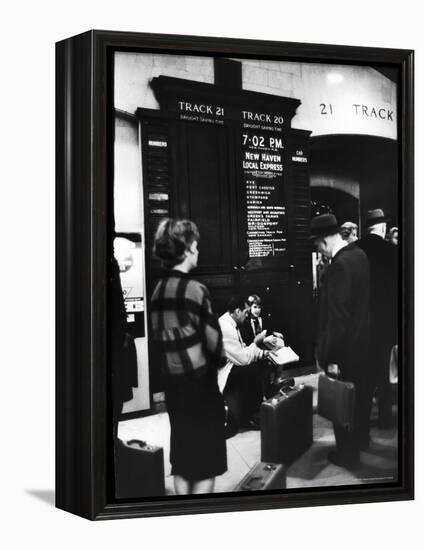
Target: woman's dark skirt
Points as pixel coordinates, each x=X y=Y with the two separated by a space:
x=197 y=416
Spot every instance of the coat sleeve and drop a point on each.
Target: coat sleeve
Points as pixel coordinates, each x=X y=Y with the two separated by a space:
x=339 y=305
x=237 y=353
x=211 y=330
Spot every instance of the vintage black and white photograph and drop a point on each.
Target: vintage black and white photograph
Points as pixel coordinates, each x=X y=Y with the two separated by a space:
x=254 y=280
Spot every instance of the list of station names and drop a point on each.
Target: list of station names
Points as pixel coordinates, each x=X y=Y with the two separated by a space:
x=262 y=158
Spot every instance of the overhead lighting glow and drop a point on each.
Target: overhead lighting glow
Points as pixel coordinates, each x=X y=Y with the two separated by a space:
x=335 y=78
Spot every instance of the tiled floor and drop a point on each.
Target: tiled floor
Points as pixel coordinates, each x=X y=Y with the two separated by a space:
x=378 y=464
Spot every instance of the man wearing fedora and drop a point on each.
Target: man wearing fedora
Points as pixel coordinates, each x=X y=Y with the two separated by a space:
x=383 y=261
x=343 y=328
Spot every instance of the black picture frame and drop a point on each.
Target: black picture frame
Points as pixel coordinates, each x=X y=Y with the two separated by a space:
x=84 y=463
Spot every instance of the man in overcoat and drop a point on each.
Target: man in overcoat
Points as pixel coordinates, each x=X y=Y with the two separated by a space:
x=344 y=327
x=383 y=262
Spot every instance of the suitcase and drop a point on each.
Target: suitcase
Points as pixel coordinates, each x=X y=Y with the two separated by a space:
x=336 y=401
x=262 y=477
x=139 y=469
x=286 y=425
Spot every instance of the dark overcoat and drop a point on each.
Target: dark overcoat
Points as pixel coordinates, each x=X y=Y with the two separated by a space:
x=383 y=262
x=344 y=313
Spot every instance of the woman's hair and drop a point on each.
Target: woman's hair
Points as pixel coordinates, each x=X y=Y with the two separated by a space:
x=173 y=237
x=254 y=299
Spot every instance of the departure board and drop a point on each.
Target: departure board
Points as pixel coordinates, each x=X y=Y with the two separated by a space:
x=263 y=178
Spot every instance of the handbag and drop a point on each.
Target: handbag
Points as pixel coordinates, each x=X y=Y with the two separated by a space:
x=336 y=401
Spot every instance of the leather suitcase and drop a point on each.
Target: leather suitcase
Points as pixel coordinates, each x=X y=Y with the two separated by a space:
x=263 y=476
x=336 y=401
x=139 y=469
x=286 y=425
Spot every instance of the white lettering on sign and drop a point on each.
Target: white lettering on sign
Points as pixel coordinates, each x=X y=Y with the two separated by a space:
x=251 y=156
x=154 y=143
x=159 y=211
x=372 y=112
x=134 y=305
x=158 y=196
x=201 y=108
x=299 y=159
x=262 y=117
x=273 y=158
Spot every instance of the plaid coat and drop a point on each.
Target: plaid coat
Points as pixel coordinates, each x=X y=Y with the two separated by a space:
x=185 y=330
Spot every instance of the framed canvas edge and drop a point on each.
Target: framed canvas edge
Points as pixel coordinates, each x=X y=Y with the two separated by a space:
x=81 y=194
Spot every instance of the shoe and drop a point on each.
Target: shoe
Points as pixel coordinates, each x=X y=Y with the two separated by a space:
x=344 y=462
x=251 y=424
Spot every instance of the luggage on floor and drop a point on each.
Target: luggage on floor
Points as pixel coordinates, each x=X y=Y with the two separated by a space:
x=139 y=469
x=336 y=401
x=286 y=425
x=263 y=477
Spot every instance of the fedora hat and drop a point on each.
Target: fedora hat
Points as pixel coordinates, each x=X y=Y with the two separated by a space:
x=323 y=226
x=375 y=216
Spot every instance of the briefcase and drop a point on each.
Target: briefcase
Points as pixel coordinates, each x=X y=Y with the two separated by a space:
x=286 y=425
x=336 y=401
x=263 y=476
x=139 y=469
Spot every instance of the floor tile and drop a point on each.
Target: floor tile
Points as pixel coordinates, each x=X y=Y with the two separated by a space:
x=312 y=469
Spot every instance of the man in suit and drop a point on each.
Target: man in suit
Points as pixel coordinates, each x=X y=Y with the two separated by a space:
x=343 y=326
x=243 y=372
x=254 y=323
x=383 y=262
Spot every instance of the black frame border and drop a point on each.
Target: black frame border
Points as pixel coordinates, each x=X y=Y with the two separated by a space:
x=83 y=467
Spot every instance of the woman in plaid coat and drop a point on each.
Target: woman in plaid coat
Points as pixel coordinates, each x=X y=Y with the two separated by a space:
x=189 y=339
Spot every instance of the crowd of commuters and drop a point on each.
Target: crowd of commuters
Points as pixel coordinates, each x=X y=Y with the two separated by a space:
x=205 y=359
x=358 y=321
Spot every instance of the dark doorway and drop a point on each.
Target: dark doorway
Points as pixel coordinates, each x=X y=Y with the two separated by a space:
x=344 y=206
x=370 y=161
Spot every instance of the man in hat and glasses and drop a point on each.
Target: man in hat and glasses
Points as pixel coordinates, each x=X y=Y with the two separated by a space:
x=383 y=261
x=343 y=330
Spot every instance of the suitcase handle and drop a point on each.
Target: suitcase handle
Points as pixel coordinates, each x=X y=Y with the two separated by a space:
x=138 y=442
x=287 y=389
x=249 y=486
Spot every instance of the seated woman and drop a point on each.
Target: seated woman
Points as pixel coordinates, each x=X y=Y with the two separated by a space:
x=188 y=338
